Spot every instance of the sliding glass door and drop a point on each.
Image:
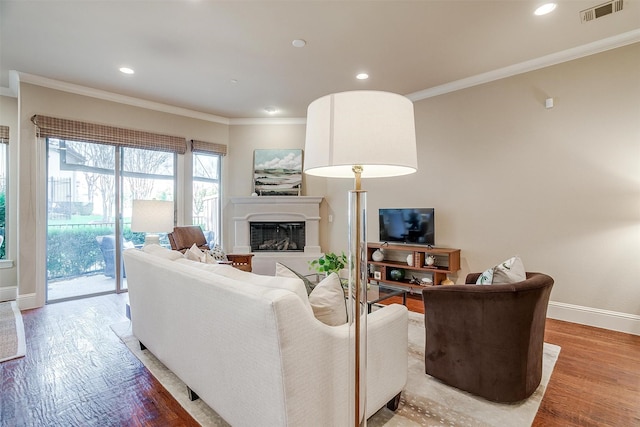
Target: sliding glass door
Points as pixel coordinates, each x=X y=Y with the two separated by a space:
x=90 y=188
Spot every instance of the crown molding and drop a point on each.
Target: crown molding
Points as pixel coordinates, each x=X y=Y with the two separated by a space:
x=114 y=97
x=270 y=121
x=532 y=65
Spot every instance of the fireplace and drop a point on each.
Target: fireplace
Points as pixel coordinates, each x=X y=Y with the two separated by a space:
x=291 y=221
x=277 y=236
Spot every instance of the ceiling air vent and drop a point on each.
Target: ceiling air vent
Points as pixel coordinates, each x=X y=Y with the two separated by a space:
x=601 y=10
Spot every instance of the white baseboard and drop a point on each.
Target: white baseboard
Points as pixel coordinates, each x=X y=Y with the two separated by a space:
x=613 y=320
x=8 y=293
x=28 y=301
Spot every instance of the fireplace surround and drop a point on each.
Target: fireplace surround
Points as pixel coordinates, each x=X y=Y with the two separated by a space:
x=271 y=211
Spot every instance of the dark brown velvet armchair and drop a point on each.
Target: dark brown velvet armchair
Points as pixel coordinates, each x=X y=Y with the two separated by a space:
x=487 y=339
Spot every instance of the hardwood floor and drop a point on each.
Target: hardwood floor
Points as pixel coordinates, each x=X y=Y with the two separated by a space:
x=78 y=373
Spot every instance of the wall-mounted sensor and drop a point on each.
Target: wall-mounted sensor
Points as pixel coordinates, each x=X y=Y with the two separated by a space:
x=548 y=103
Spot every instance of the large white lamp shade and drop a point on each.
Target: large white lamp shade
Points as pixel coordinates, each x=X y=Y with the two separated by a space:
x=372 y=129
x=152 y=217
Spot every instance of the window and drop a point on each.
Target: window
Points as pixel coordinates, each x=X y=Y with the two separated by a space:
x=4 y=168
x=206 y=194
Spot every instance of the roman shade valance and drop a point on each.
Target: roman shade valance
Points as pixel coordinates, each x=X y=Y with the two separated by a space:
x=52 y=127
x=208 y=147
x=4 y=134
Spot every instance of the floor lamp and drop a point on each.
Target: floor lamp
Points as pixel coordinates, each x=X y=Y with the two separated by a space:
x=152 y=217
x=359 y=134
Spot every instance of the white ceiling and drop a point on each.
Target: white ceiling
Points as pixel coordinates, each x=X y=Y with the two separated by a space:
x=187 y=52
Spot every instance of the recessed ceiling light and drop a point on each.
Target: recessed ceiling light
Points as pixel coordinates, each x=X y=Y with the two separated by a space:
x=126 y=70
x=271 y=110
x=299 y=43
x=362 y=76
x=545 y=8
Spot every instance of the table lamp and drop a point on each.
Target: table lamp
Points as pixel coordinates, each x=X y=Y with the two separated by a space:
x=152 y=217
x=360 y=134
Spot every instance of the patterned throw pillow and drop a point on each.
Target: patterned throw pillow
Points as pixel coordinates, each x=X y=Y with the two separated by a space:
x=218 y=254
x=509 y=271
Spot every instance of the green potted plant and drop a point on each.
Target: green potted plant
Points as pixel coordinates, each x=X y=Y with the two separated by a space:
x=329 y=263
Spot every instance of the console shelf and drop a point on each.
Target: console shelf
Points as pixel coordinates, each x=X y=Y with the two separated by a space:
x=447 y=261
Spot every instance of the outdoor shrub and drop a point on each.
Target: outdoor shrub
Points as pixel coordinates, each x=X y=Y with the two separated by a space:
x=74 y=251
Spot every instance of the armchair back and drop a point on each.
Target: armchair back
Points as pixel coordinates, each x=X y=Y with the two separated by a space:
x=487 y=339
x=183 y=237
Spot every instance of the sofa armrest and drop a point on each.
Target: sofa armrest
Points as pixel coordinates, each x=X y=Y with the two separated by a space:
x=387 y=355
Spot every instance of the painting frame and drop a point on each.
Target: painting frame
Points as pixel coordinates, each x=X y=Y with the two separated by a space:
x=277 y=171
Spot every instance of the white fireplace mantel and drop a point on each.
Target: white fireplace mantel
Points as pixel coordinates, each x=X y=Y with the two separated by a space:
x=276 y=208
x=277 y=200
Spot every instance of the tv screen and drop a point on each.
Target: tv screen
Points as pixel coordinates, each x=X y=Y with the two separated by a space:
x=404 y=225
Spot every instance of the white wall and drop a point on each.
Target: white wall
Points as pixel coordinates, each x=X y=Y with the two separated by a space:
x=560 y=186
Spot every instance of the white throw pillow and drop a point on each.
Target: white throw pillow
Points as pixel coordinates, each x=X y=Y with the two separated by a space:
x=328 y=302
x=509 y=271
x=194 y=253
x=284 y=271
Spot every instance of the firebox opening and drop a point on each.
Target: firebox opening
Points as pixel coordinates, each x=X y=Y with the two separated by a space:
x=277 y=236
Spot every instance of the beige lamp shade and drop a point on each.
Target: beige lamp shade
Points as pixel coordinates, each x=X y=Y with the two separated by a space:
x=152 y=216
x=373 y=129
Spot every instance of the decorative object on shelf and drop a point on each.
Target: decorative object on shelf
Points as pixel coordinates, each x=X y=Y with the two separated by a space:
x=360 y=134
x=430 y=260
x=377 y=275
x=378 y=255
x=414 y=280
x=277 y=172
x=396 y=274
x=447 y=282
x=427 y=281
x=410 y=260
x=444 y=261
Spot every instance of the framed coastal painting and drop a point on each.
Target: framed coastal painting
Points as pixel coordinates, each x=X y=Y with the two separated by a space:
x=277 y=172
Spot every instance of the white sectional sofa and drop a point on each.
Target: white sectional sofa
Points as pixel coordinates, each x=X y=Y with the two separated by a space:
x=249 y=345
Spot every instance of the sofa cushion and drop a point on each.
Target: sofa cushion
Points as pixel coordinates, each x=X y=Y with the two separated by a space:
x=287 y=283
x=284 y=271
x=328 y=302
x=509 y=271
x=162 y=252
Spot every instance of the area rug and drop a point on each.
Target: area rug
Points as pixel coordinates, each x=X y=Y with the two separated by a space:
x=425 y=401
x=12 y=342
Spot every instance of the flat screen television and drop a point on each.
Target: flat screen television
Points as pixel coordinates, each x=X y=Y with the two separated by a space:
x=407 y=225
